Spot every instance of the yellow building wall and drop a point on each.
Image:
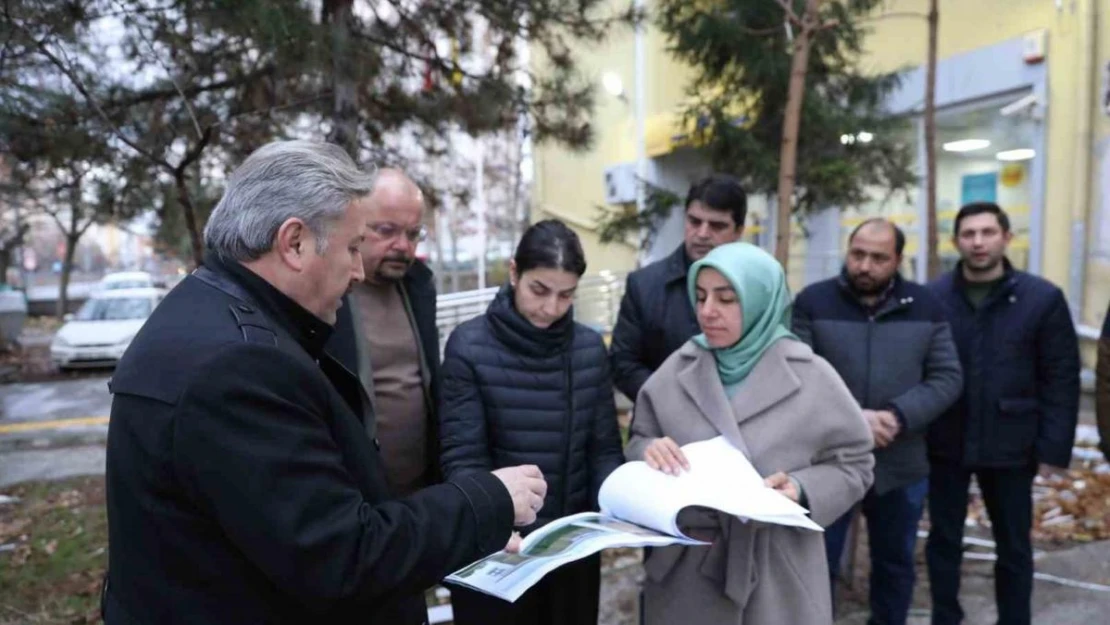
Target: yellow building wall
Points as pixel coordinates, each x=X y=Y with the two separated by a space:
x=1098 y=270
x=569 y=184
x=899 y=41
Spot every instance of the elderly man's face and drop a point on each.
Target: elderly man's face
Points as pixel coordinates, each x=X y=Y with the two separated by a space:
x=330 y=274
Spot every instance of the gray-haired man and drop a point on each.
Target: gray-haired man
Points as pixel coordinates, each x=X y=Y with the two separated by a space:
x=241 y=487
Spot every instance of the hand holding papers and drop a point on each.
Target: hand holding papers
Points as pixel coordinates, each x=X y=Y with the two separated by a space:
x=640 y=507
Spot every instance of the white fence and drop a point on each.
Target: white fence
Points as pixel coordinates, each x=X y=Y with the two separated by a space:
x=596 y=304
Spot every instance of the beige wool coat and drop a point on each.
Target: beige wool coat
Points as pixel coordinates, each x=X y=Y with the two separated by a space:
x=794 y=414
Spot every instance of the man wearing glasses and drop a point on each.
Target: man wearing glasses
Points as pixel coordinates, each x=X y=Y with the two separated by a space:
x=386 y=334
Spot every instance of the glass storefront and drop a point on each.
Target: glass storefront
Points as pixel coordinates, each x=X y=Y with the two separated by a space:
x=982 y=155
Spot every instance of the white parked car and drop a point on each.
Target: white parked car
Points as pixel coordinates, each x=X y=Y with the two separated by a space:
x=126 y=280
x=103 y=327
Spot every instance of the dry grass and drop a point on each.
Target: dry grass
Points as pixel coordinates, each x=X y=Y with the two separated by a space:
x=56 y=539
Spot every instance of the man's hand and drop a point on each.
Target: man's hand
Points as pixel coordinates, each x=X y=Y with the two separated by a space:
x=890 y=420
x=514 y=543
x=527 y=488
x=782 y=483
x=663 y=454
x=884 y=426
x=1049 y=472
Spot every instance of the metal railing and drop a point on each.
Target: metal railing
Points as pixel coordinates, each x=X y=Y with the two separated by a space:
x=596 y=304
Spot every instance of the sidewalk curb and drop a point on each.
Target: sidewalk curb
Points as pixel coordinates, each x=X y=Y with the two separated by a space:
x=34 y=441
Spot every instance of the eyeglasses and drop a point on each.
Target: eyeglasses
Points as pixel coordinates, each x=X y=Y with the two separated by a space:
x=392 y=231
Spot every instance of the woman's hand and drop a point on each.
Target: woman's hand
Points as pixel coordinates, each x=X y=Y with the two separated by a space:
x=663 y=454
x=783 y=484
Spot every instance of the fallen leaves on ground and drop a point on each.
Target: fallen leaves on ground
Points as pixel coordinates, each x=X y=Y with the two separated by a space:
x=53 y=555
x=1070 y=507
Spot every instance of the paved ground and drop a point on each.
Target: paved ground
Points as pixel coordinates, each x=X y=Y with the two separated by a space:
x=53 y=414
x=50 y=464
x=1053 y=603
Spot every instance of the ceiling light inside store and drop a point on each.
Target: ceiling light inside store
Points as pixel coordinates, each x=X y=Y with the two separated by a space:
x=966 y=145
x=612 y=84
x=1022 y=154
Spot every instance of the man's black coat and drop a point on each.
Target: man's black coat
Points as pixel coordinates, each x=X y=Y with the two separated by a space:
x=242 y=487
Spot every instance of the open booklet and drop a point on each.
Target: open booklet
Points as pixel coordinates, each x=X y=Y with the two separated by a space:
x=639 y=508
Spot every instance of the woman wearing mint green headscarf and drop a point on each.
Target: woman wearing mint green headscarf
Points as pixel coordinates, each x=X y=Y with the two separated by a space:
x=746 y=377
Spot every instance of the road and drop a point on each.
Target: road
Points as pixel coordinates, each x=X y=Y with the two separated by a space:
x=52 y=430
x=49 y=410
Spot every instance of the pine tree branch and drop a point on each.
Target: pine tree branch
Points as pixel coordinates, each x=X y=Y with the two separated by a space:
x=177 y=86
x=80 y=86
x=194 y=153
x=274 y=109
x=192 y=91
x=418 y=30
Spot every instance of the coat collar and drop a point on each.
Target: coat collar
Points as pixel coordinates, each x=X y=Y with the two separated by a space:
x=772 y=381
x=307 y=329
x=677 y=265
x=893 y=297
x=1006 y=285
x=519 y=335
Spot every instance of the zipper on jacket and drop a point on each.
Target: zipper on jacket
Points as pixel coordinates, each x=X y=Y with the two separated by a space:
x=872 y=319
x=568 y=428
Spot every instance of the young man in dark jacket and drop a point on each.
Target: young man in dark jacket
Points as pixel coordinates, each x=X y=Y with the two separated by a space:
x=890 y=343
x=386 y=333
x=656 y=316
x=241 y=485
x=1020 y=358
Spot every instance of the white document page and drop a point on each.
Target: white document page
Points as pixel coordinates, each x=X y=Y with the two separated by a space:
x=720 y=477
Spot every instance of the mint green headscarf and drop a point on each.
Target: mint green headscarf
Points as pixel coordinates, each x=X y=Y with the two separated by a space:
x=765 y=302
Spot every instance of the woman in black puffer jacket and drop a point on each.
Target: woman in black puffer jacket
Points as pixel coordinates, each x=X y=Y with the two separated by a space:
x=525 y=384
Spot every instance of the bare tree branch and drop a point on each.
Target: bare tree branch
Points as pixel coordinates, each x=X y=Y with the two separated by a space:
x=790 y=14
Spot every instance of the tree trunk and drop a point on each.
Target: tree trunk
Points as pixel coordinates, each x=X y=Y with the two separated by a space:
x=5 y=263
x=196 y=244
x=344 y=126
x=788 y=162
x=930 y=120
x=453 y=221
x=8 y=250
x=67 y=270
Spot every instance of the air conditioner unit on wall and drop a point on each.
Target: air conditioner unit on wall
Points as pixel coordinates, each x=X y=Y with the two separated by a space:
x=620 y=183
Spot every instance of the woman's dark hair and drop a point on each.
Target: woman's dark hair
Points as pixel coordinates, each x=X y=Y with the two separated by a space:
x=721 y=192
x=550 y=244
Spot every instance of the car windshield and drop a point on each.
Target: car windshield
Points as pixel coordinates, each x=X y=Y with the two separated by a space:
x=126 y=284
x=114 y=309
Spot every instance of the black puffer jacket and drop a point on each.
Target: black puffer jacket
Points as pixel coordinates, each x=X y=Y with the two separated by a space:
x=514 y=394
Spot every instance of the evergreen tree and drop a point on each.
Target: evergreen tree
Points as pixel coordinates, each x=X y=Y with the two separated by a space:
x=196 y=84
x=848 y=148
